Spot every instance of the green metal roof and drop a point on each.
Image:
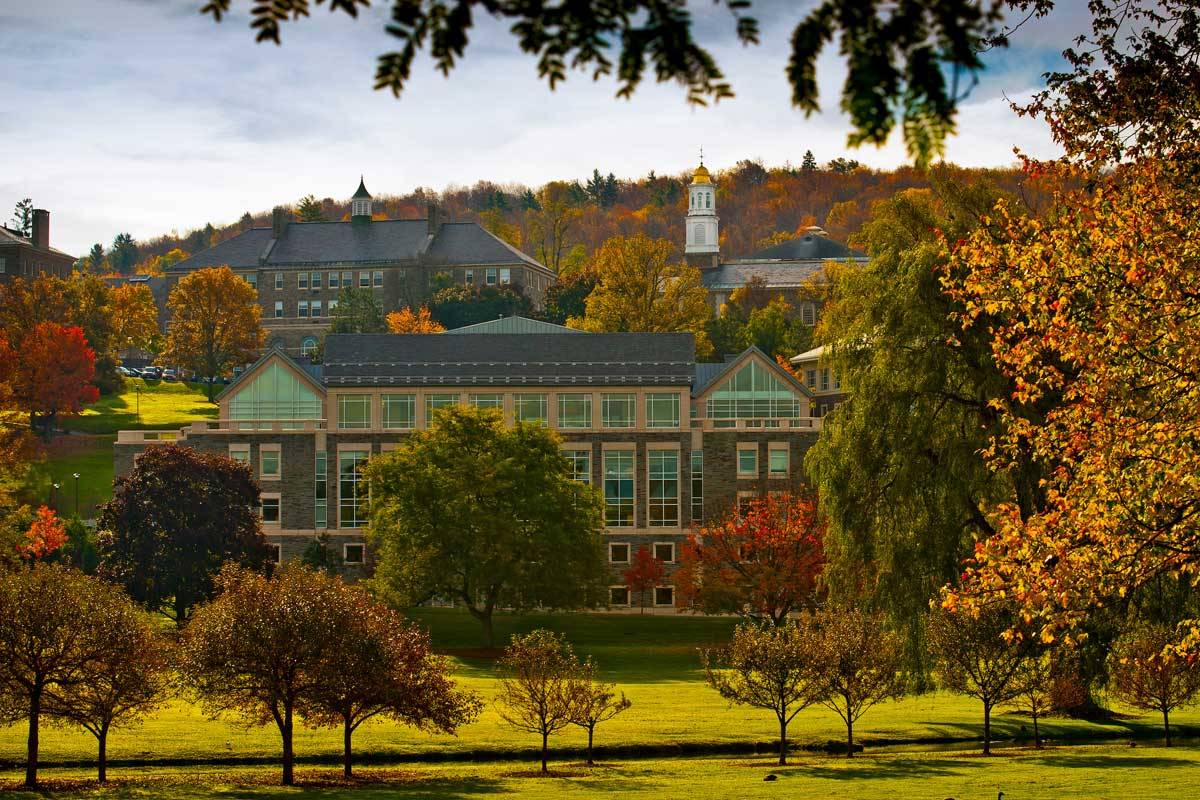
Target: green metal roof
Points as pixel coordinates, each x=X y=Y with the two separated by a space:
x=513 y=325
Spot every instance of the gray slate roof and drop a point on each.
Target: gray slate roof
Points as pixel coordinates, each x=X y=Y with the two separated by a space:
x=507 y=359
x=513 y=324
x=733 y=274
x=392 y=241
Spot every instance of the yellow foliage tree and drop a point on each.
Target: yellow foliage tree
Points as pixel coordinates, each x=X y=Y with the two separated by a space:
x=134 y=317
x=642 y=289
x=214 y=323
x=407 y=321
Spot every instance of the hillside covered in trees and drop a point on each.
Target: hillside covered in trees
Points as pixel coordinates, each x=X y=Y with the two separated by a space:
x=562 y=223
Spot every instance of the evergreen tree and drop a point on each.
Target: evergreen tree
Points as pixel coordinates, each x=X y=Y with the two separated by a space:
x=529 y=201
x=95 y=258
x=310 y=209
x=124 y=254
x=23 y=217
x=809 y=164
x=358 y=311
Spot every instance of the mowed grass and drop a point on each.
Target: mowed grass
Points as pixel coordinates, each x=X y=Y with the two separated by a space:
x=90 y=456
x=653 y=659
x=1054 y=774
x=145 y=405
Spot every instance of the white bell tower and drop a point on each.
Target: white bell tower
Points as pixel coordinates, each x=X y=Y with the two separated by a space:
x=702 y=213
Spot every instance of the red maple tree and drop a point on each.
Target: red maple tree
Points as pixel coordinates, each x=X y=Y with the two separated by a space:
x=644 y=573
x=51 y=373
x=46 y=535
x=762 y=561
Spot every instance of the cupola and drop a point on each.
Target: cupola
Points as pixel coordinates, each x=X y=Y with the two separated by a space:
x=360 y=203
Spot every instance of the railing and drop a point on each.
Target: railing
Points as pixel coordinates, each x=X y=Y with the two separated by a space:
x=222 y=426
x=796 y=423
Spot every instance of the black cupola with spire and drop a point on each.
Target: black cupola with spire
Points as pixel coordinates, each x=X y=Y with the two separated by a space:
x=360 y=203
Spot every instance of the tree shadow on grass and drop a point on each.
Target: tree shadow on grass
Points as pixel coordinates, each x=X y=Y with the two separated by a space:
x=1109 y=761
x=861 y=767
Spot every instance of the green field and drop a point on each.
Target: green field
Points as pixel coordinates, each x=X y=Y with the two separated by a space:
x=652 y=659
x=1052 y=774
x=87 y=449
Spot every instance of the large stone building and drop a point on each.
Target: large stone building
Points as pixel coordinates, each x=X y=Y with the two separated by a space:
x=671 y=442
x=299 y=268
x=30 y=256
x=790 y=268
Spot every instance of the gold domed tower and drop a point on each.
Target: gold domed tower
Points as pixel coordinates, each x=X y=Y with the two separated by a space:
x=702 y=248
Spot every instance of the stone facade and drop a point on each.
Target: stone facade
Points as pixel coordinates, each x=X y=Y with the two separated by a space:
x=28 y=257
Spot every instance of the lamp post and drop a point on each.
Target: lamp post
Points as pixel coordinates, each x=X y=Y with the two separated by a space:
x=54 y=487
x=137 y=393
x=75 y=475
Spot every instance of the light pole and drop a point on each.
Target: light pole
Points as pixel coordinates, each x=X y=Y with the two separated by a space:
x=54 y=487
x=76 y=476
x=137 y=393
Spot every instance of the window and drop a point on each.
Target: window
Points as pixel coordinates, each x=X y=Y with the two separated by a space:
x=487 y=400
x=810 y=377
x=618 y=552
x=662 y=410
x=377 y=278
x=333 y=280
x=354 y=411
x=278 y=309
x=269 y=509
x=351 y=507
x=747 y=461
x=581 y=465
x=574 y=411
x=364 y=280
x=3 y=264
x=274 y=553
x=435 y=401
x=302 y=308
x=825 y=380
x=489 y=277
x=240 y=452
x=399 y=410
x=315 y=305
x=808 y=314
x=301 y=280
x=320 y=491
x=314 y=280
x=754 y=391
x=777 y=461
x=664 y=552
x=353 y=553
x=618 y=488
x=308 y=345
x=250 y=278
x=530 y=408
x=276 y=393
x=347 y=280
x=664 y=596
x=268 y=464
x=618 y=595
x=505 y=276
x=697 y=487
x=663 y=496
x=470 y=278
x=744 y=501
x=278 y=280
x=617 y=410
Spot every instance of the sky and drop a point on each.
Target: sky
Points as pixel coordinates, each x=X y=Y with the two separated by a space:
x=144 y=116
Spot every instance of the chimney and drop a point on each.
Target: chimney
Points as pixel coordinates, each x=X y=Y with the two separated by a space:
x=279 y=221
x=431 y=219
x=41 y=229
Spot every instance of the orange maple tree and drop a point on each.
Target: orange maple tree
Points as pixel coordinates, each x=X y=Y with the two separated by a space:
x=644 y=573
x=1095 y=308
x=51 y=373
x=45 y=536
x=762 y=561
x=408 y=321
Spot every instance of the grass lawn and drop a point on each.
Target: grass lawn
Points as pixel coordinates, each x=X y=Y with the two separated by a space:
x=1053 y=774
x=652 y=659
x=88 y=448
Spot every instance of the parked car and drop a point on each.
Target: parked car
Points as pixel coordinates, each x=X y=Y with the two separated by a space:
x=169 y=375
x=128 y=373
x=152 y=373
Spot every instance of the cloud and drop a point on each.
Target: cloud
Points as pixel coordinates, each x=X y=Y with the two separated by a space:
x=143 y=116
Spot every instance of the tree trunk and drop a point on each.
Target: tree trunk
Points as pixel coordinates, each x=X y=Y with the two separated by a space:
x=987 y=729
x=102 y=755
x=288 y=756
x=1166 y=728
x=545 y=748
x=347 y=732
x=1037 y=738
x=591 y=730
x=489 y=633
x=849 y=735
x=31 y=752
x=782 y=742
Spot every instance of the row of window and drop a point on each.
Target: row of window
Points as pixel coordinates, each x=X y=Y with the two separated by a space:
x=352 y=554
x=491 y=276
x=617 y=410
x=778 y=459
x=306 y=309
x=622 y=553
x=822 y=380
x=662 y=596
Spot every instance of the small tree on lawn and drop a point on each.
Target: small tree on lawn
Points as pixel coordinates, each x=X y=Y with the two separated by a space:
x=762 y=561
x=1147 y=672
x=538 y=672
x=593 y=702
x=261 y=647
x=174 y=520
x=485 y=513
x=1035 y=689
x=126 y=682
x=51 y=374
x=59 y=629
x=382 y=667
x=775 y=668
x=644 y=573
x=860 y=664
x=974 y=658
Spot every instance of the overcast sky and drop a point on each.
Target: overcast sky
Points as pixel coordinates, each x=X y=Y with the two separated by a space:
x=143 y=116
